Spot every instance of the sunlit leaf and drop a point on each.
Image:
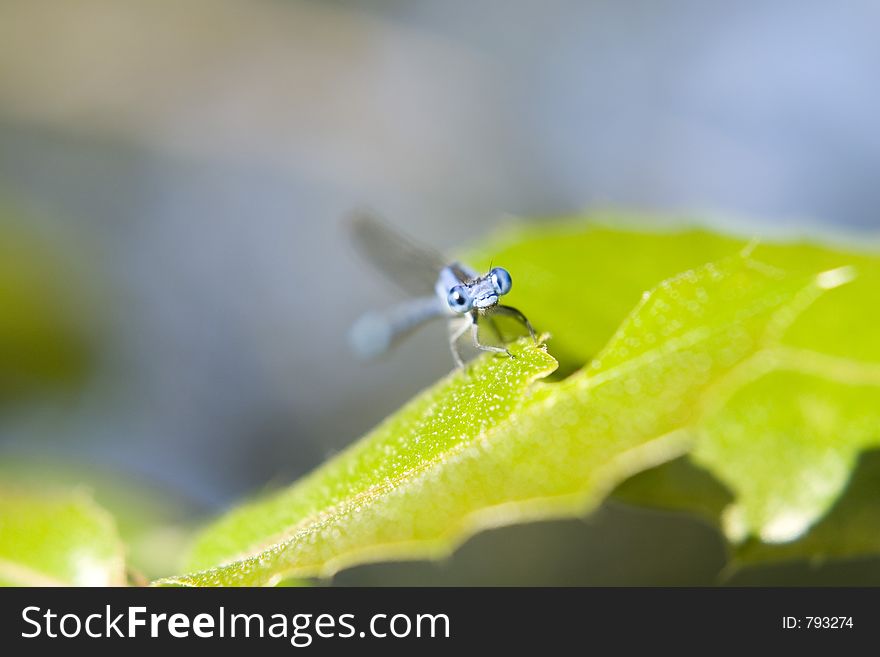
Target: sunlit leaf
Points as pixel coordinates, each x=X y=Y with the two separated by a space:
x=153 y=522
x=494 y=445
x=850 y=529
x=57 y=539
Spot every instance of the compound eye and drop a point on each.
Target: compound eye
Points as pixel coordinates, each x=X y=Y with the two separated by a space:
x=458 y=299
x=500 y=280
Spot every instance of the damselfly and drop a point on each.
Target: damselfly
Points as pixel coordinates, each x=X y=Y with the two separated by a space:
x=443 y=288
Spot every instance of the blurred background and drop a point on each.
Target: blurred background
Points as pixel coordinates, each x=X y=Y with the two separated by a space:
x=176 y=273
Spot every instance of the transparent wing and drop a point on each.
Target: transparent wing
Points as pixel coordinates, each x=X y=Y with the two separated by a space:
x=413 y=267
x=376 y=332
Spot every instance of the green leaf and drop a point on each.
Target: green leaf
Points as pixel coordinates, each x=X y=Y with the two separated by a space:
x=783 y=466
x=152 y=522
x=850 y=529
x=579 y=280
x=787 y=438
x=787 y=428
x=678 y=485
x=57 y=540
x=494 y=445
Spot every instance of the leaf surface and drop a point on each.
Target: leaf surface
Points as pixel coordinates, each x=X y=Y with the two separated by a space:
x=495 y=445
x=57 y=539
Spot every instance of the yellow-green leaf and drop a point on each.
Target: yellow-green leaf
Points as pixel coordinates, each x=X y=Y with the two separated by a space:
x=57 y=539
x=786 y=441
x=495 y=445
x=152 y=522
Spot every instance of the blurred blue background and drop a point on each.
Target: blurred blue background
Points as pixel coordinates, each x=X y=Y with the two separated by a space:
x=193 y=160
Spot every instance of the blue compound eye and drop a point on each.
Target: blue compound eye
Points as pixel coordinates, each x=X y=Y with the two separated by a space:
x=500 y=280
x=459 y=299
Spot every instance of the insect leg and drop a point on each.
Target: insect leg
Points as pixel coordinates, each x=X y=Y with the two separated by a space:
x=455 y=332
x=493 y=326
x=485 y=347
x=510 y=311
